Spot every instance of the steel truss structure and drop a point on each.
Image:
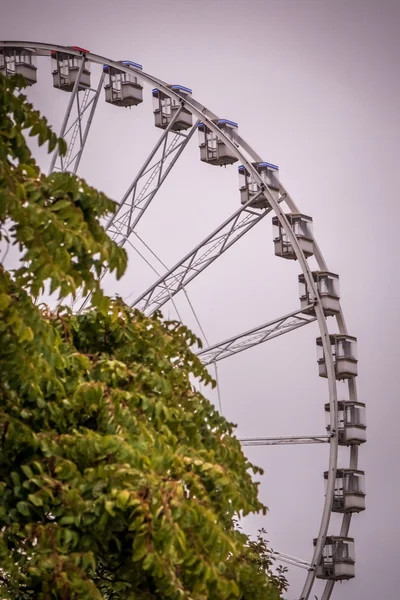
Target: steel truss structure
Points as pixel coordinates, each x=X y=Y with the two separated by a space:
x=292 y=560
x=258 y=335
x=285 y=441
x=146 y=184
x=148 y=181
x=205 y=253
x=75 y=129
x=76 y=124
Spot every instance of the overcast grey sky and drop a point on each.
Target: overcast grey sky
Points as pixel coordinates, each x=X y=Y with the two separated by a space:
x=314 y=86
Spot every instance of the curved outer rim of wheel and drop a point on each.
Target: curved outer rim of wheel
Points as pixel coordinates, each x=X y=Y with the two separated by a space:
x=207 y=117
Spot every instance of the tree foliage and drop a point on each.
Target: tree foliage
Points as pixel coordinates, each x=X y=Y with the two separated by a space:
x=118 y=480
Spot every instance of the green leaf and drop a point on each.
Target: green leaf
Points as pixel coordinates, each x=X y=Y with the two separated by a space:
x=67 y=520
x=26 y=335
x=139 y=552
x=148 y=562
x=60 y=205
x=27 y=471
x=36 y=500
x=5 y=301
x=123 y=498
x=23 y=508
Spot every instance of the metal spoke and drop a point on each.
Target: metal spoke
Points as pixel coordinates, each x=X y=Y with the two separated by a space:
x=328 y=590
x=255 y=336
x=292 y=560
x=213 y=246
x=285 y=441
x=146 y=184
x=76 y=125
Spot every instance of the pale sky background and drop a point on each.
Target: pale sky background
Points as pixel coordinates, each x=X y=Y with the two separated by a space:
x=314 y=86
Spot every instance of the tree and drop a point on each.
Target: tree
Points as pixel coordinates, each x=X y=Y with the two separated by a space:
x=118 y=480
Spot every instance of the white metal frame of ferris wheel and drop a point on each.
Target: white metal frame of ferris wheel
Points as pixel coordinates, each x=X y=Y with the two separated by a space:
x=76 y=125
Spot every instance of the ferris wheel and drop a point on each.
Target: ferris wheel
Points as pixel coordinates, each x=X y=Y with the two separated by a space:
x=178 y=116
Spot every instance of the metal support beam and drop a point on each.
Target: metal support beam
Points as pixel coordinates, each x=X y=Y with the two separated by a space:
x=328 y=590
x=292 y=560
x=213 y=246
x=148 y=181
x=255 y=336
x=145 y=186
x=93 y=105
x=77 y=121
x=285 y=441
